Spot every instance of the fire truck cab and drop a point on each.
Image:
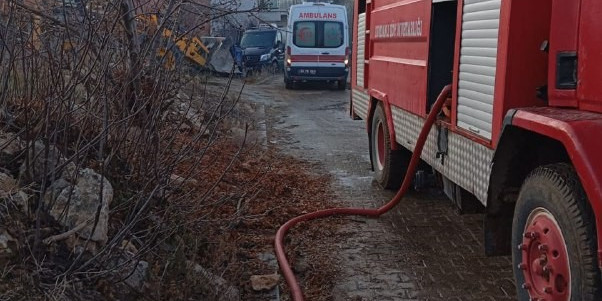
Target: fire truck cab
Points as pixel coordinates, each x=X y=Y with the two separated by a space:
x=522 y=131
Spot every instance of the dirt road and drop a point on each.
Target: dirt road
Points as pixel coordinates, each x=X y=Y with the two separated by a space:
x=423 y=250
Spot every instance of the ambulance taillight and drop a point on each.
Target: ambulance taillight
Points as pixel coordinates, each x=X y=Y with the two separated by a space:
x=347 y=55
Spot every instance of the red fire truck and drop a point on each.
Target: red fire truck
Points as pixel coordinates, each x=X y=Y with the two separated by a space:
x=520 y=135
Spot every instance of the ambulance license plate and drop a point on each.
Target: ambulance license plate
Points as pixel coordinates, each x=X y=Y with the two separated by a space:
x=307 y=71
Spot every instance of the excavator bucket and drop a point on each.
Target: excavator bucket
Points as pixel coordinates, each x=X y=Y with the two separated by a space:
x=220 y=59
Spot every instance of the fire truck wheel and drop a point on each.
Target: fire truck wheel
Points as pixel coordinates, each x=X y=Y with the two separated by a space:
x=389 y=165
x=341 y=84
x=554 y=238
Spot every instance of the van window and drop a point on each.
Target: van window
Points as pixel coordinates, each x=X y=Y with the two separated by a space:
x=260 y=39
x=318 y=34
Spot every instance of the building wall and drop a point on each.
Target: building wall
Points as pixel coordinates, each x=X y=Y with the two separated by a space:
x=233 y=25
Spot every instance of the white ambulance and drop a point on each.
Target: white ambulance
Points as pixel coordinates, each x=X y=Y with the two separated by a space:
x=317 y=44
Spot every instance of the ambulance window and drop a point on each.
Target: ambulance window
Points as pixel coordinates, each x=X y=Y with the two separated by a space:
x=333 y=34
x=305 y=34
x=319 y=34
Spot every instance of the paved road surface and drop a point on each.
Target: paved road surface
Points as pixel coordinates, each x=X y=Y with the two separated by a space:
x=423 y=250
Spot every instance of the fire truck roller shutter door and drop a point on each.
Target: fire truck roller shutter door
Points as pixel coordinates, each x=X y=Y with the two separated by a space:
x=361 y=45
x=478 y=58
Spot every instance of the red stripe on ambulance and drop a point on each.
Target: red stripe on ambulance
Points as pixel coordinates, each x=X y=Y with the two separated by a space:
x=318 y=58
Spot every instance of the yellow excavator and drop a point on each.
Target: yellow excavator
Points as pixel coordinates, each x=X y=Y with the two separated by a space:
x=177 y=46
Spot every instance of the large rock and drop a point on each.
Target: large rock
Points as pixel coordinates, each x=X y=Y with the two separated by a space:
x=38 y=160
x=136 y=274
x=129 y=276
x=75 y=202
x=10 y=144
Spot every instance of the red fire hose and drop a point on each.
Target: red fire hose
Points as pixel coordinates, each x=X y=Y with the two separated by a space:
x=285 y=267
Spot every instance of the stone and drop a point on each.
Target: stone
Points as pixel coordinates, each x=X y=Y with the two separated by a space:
x=178 y=180
x=264 y=282
x=128 y=247
x=9 y=190
x=38 y=161
x=182 y=106
x=8 y=246
x=181 y=96
x=301 y=265
x=137 y=276
x=80 y=92
x=184 y=127
x=224 y=291
x=8 y=186
x=269 y=259
x=73 y=203
x=11 y=150
x=70 y=172
x=134 y=134
x=21 y=199
x=10 y=144
x=128 y=275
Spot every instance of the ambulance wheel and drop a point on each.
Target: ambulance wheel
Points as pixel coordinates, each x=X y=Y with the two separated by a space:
x=553 y=233
x=389 y=165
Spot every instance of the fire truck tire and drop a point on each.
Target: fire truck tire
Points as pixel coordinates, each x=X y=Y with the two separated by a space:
x=341 y=84
x=554 y=238
x=389 y=165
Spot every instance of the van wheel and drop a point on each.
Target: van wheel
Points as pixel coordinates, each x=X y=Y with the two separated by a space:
x=553 y=231
x=389 y=165
x=288 y=84
x=274 y=67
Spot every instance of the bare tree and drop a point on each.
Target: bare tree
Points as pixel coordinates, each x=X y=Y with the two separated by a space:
x=83 y=84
